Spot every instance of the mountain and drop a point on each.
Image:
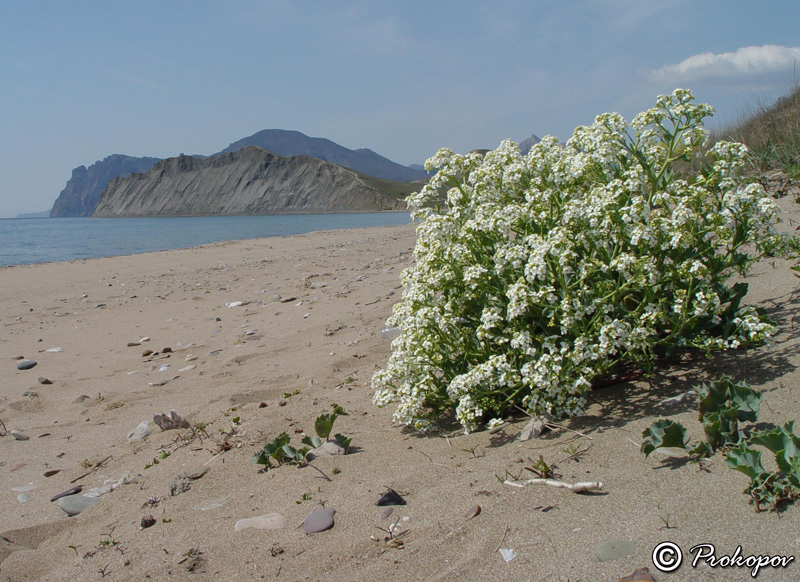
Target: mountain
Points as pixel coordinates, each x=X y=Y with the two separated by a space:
x=248 y=181
x=83 y=189
x=293 y=143
x=526 y=144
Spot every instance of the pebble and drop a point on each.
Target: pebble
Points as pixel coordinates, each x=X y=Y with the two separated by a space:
x=52 y=472
x=140 y=432
x=26 y=364
x=19 y=435
x=611 y=550
x=319 y=520
x=22 y=498
x=474 y=511
x=133 y=344
x=508 y=554
x=640 y=575
x=327 y=449
x=536 y=426
x=74 y=504
x=187 y=368
x=191 y=358
x=55 y=350
x=183 y=482
x=43 y=380
x=147 y=521
x=147 y=353
x=268 y=521
x=391 y=497
x=164 y=368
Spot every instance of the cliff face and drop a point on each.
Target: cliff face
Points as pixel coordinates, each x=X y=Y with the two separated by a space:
x=249 y=181
x=293 y=143
x=83 y=189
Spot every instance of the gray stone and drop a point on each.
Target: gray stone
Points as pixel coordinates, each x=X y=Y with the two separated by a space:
x=183 y=482
x=268 y=521
x=327 y=449
x=74 y=504
x=19 y=435
x=44 y=381
x=319 y=520
x=535 y=427
x=140 y=432
x=26 y=364
x=611 y=550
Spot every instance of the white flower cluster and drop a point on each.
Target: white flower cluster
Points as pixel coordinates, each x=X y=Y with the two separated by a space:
x=534 y=274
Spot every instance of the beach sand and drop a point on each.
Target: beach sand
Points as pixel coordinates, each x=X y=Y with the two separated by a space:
x=307 y=335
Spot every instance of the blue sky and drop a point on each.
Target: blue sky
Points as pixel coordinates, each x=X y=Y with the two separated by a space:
x=82 y=80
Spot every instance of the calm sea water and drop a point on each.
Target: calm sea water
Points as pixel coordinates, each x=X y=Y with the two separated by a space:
x=42 y=240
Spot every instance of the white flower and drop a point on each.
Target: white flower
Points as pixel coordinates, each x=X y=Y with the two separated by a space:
x=535 y=274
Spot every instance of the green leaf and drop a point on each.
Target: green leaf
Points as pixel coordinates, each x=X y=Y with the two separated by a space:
x=746 y=460
x=712 y=426
x=289 y=451
x=343 y=442
x=312 y=442
x=664 y=433
x=701 y=449
x=323 y=425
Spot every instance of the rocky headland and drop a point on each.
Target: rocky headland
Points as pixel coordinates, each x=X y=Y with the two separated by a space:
x=248 y=181
x=82 y=192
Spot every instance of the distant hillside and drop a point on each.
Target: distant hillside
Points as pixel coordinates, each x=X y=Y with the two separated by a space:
x=43 y=214
x=293 y=143
x=83 y=189
x=248 y=181
x=526 y=144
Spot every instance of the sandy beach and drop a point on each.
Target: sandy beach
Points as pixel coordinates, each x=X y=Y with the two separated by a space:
x=251 y=339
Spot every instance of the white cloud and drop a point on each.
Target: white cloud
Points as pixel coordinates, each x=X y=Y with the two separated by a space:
x=745 y=62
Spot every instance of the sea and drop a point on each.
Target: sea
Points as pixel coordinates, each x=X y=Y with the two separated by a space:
x=44 y=240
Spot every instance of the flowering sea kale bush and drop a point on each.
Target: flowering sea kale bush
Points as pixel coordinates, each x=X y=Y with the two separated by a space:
x=540 y=272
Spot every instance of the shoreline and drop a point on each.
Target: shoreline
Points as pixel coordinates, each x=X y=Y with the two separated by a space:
x=149 y=236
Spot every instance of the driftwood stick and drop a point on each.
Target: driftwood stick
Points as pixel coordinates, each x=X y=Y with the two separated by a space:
x=582 y=487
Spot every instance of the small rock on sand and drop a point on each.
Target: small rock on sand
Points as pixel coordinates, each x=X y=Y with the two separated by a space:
x=268 y=521
x=44 y=381
x=140 y=432
x=26 y=364
x=640 y=575
x=74 y=504
x=391 y=497
x=183 y=482
x=19 y=435
x=319 y=520
x=328 y=449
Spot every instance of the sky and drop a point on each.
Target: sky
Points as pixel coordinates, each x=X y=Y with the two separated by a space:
x=83 y=80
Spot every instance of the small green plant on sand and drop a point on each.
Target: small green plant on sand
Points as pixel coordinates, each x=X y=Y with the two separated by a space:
x=323 y=426
x=281 y=451
x=723 y=405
